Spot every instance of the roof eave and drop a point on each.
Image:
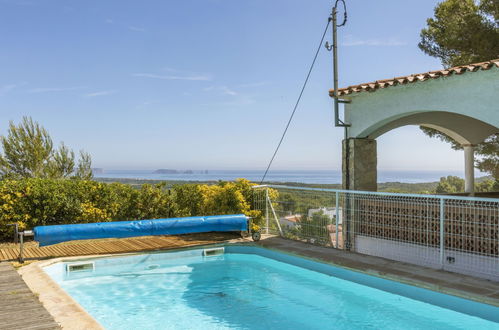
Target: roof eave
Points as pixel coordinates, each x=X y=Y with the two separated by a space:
x=419 y=77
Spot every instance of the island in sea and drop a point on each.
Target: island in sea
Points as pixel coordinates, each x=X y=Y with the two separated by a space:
x=165 y=171
x=170 y=171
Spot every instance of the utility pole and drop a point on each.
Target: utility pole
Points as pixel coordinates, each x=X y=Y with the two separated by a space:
x=340 y=123
x=334 y=47
x=336 y=100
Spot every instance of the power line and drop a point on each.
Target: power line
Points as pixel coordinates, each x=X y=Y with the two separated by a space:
x=297 y=102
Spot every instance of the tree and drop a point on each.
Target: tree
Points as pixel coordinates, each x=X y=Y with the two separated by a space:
x=454 y=184
x=27 y=149
x=28 y=152
x=462 y=32
x=84 y=169
x=63 y=162
x=487 y=151
x=486 y=186
x=450 y=184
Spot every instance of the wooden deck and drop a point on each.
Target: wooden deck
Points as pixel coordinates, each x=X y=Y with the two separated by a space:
x=107 y=246
x=19 y=307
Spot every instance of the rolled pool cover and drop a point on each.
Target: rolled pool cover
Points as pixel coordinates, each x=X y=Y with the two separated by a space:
x=48 y=235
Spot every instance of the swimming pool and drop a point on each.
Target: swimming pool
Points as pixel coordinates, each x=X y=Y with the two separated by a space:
x=247 y=287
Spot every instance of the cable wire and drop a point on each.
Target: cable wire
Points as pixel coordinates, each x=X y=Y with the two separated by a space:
x=297 y=102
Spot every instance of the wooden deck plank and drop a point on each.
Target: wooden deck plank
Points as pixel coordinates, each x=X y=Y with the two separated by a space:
x=139 y=244
x=145 y=243
x=33 y=253
x=48 y=250
x=71 y=250
x=84 y=248
x=20 y=308
x=20 y=322
x=111 y=246
x=154 y=245
x=3 y=255
x=142 y=243
x=55 y=250
x=161 y=242
x=14 y=254
x=157 y=241
x=102 y=248
x=129 y=245
x=106 y=246
x=7 y=253
x=123 y=246
x=29 y=253
x=93 y=249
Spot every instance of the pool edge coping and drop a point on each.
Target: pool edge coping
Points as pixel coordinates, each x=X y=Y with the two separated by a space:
x=52 y=296
x=66 y=311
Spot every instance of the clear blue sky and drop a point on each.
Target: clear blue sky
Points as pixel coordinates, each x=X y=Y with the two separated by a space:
x=205 y=84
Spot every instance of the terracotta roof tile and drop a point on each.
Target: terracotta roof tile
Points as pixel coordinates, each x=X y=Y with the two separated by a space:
x=373 y=86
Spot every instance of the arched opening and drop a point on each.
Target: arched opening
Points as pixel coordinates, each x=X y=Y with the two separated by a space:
x=463 y=129
x=467 y=131
x=416 y=160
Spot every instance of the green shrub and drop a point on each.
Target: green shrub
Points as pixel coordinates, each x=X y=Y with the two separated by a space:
x=37 y=202
x=189 y=199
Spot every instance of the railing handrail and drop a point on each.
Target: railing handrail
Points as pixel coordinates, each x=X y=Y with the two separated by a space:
x=379 y=193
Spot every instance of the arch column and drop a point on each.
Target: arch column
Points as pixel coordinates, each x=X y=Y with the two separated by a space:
x=360 y=161
x=469 y=168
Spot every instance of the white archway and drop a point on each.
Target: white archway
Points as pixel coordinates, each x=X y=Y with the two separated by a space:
x=461 y=102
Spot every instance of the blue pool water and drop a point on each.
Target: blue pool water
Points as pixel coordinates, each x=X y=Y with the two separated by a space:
x=185 y=290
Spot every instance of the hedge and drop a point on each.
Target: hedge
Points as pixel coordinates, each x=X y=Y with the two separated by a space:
x=38 y=202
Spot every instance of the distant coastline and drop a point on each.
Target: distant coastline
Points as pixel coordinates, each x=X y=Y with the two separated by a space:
x=409 y=187
x=397 y=181
x=296 y=176
x=386 y=186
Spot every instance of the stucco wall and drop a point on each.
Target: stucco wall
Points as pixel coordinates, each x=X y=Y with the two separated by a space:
x=464 y=263
x=473 y=94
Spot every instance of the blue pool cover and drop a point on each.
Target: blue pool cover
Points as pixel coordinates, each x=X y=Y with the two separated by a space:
x=47 y=235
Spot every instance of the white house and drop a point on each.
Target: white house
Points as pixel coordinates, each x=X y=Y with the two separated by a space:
x=330 y=212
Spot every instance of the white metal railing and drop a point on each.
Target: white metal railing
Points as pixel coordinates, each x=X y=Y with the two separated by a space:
x=454 y=233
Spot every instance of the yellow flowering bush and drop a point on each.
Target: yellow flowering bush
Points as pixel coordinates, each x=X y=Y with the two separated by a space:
x=90 y=213
x=38 y=202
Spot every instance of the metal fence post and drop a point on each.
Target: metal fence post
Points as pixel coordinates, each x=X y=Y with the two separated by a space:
x=337 y=218
x=267 y=210
x=21 y=248
x=442 y=238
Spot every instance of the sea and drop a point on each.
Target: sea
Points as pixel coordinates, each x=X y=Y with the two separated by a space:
x=281 y=176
